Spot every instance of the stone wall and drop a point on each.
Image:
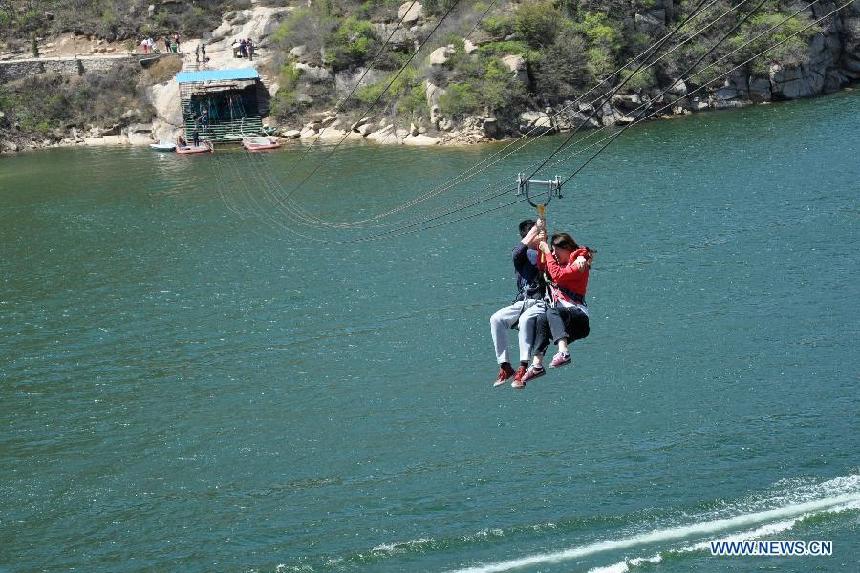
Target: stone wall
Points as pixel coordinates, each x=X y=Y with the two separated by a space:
x=16 y=69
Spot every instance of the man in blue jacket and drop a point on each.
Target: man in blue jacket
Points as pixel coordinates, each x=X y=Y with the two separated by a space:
x=526 y=307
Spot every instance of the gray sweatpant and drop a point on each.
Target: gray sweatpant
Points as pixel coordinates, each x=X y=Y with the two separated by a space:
x=502 y=320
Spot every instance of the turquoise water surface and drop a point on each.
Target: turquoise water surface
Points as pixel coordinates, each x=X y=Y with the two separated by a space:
x=204 y=368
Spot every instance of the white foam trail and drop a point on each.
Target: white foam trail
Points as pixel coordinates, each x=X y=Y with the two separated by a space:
x=765 y=530
x=671 y=534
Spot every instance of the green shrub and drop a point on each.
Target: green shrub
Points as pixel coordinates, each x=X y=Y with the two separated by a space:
x=350 y=43
x=504 y=48
x=562 y=70
x=497 y=87
x=459 y=99
x=401 y=85
x=414 y=102
x=794 y=51
x=437 y=6
x=485 y=84
x=537 y=22
x=498 y=26
x=642 y=80
x=600 y=62
x=601 y=31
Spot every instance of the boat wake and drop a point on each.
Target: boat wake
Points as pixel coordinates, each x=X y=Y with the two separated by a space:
x=792 y=507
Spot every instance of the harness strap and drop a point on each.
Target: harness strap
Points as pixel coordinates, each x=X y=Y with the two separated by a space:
x=573 y=296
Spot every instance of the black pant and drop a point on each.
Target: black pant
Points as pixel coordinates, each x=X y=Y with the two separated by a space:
x=557 y=323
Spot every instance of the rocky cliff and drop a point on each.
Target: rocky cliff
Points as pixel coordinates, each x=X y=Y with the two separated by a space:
x=333 y=69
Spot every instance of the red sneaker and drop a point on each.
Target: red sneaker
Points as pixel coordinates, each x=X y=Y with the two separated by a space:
x=519 y=378
x=533 y=373
x=505 y=372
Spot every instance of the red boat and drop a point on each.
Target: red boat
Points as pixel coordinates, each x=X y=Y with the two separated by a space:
x=205 y=147
x=260 y=143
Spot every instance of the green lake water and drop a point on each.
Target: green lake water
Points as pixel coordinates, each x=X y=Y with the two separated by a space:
x=193 y=378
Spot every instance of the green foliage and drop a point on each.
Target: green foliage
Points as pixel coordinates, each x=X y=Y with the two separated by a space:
x=601 y=31
x=459 y=99
x=401 y=86
x=498 y=26
x=414 y=102
x=642 y=80
x=42 y=103
x=111 y=19
x=437 y=6
x=285 y=101
x=497 y=87
x=561 y=71
x=795 y=40
x=600 y=62
x=508 y=47
x=406 y=93
x=350 y=43
x=478 y=84
x=537 y=22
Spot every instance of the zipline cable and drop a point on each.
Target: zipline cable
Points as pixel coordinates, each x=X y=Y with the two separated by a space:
x=466 y=175
x=609 y=97
x=367 y=70
x=698 y=61
x=496 y=157
x=396 y=233
x=378 y=98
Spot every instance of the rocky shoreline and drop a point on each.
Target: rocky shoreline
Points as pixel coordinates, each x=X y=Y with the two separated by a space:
x=327 y=128
x=831 y=64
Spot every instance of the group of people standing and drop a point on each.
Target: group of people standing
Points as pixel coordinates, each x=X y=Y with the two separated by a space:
x=171 y=45
x=552 y=279
x=244 y=49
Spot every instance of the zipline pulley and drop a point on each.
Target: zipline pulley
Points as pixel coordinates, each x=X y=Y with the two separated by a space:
x=553 y=188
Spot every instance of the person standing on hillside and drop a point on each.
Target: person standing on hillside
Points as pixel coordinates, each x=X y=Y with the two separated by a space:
x=176 y=38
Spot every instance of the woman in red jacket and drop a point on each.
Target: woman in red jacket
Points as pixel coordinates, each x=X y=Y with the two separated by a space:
x=568 y=266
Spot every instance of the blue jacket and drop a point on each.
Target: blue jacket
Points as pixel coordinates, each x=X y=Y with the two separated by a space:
x=530 y=283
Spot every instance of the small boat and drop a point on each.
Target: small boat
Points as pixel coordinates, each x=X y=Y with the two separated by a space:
x=260 y=143
x=163 y=145
x=205 y=147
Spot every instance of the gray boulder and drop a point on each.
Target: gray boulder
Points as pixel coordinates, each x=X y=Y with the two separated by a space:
x=759 y=89
x=651 y=23
x=569 y=119
x=516 y=64
x=345 y=81
x=491 y=128
x=792 y=82
x=312 y=73
x=410 y=12
x=439 y=56
x=536 y=123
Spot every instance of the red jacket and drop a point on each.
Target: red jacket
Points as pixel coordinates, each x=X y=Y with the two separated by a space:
x=568 y=276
